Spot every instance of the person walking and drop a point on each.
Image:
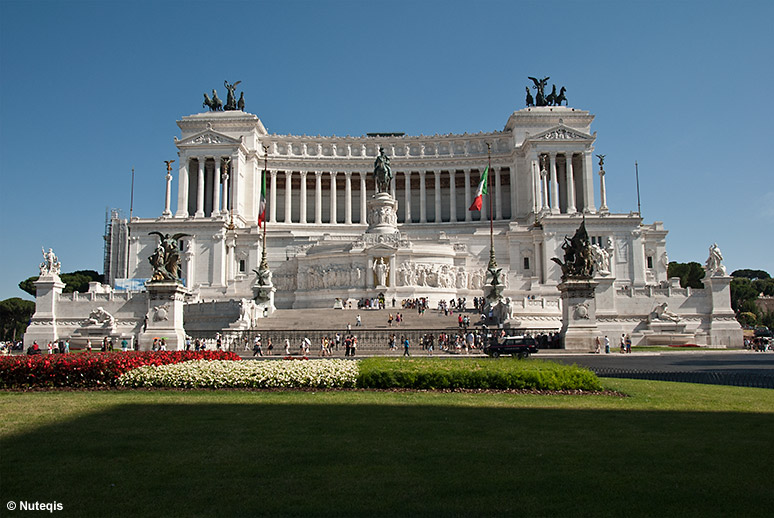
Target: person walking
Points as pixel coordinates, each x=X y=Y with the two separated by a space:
x=406 y=345
x=607 y=345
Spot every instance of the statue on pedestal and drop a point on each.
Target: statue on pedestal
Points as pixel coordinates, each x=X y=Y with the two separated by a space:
x=50 y=264
x=714 y=265
x=381 y=270
x=382 y=172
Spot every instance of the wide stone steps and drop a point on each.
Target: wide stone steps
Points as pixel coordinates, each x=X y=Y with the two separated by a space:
x=371 y=319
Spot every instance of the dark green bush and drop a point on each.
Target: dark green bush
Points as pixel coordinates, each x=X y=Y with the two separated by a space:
x=505 y=374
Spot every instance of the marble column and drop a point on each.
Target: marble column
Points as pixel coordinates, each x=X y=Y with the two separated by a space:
x=452 y=196
x=588 y=183
x=348 y=198
x=498 y=194
x=235 y=186
x=288 y=198
x=363 y=194
x=468 y=200
x=438 y=216
x=182 y=189
x=334 y=209
x=544 y=190
x=512 y=189
x=318 y=197
x=554 y=186
x=302 y=201
x=273 y=201
x=168 y=197
x=407 y=179
x=200 y=190
x=224 y=184
x=422 y=198
x=216 y=189
x=535 y=181
x=602 y=193
x=570 y=184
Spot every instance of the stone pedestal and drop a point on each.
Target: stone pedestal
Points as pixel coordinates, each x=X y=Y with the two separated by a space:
x=165 y=316
x=42 y=328
x=382 y=215
x=579 y=314
x=724 y=329
x=264 y=300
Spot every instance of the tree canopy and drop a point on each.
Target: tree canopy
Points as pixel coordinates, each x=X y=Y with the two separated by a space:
x=690 y=274
x=15 y=314
x=74 y=281
x=751 y=274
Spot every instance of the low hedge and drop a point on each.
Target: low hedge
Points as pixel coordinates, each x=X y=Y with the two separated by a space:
x=503 y=374
x=89 y=369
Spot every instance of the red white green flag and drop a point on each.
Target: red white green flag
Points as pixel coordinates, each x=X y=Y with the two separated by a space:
x=480 y=191
x=262 y=206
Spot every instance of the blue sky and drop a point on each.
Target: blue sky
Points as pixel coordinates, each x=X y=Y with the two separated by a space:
x=90 y=90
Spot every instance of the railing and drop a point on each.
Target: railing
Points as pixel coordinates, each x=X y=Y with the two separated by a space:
x=367 y=339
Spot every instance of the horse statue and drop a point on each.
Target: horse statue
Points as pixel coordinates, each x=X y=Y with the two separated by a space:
x=561 y=97
x=214 y=104
x=551 y=98
x=231 y=103
x=382 y=172
x=530 y=100
x=241 y=102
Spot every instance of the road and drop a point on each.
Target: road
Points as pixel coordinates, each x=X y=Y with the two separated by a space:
x=744 y=368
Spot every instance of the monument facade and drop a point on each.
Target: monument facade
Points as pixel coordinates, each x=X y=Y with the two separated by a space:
x=346 y=217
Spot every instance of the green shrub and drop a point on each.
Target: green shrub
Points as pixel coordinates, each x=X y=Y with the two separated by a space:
x=504 y=374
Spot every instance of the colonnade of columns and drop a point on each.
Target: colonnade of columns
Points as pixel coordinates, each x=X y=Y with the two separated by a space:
x=414 y=208
x=557 y=178
x=221 y=188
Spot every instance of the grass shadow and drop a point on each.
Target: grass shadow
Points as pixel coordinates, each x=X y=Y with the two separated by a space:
x=375 y=460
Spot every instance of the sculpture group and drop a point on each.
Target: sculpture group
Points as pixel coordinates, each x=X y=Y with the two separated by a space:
x=166 y=259
x=578 y=257
x=215 y=104
x=50 y=264
x=541 y=99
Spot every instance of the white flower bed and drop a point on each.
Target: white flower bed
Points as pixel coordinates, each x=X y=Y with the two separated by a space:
x=245 y=374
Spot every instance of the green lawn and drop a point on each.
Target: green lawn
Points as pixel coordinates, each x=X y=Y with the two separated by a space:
x=667 y=450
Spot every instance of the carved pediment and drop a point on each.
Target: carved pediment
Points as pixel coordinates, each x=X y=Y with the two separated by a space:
x=209 y=137
x=561 y=133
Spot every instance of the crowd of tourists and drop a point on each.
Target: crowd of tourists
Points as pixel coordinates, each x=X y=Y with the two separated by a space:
x=7 y=347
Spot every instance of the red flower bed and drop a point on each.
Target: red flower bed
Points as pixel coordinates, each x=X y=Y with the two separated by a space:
x=89 y=369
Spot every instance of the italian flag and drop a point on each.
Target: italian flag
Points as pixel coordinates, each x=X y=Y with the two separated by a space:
x=480 y=191
x=262 y=205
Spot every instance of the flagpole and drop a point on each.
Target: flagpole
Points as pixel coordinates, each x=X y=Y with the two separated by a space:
x=492 y=262
x=264 y=265
x=637 y=177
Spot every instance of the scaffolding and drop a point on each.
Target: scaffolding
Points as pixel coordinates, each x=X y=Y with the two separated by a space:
x=116 y=246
